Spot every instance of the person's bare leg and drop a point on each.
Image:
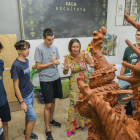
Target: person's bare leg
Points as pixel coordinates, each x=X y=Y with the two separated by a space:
x=52 y=110
x=29 y=129
x=5 y=127
x=26 y=122
x=47 y=112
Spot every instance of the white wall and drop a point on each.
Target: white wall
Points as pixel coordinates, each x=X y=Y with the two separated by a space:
x=123 y=32
x=62 y=45
x=9 y=18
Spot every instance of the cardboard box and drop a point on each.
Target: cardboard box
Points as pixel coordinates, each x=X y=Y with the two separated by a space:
x=8 y=55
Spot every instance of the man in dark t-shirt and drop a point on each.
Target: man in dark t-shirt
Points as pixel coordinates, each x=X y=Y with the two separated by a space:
x=131 y=57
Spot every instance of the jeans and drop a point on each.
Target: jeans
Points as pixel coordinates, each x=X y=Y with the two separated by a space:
x=29 y=101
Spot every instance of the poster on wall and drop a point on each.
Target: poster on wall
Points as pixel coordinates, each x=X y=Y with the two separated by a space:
x=120 y=12
x=67 y=18
x=130 y=7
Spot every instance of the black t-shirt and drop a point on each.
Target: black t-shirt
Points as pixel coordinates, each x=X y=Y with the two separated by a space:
x=20 y=70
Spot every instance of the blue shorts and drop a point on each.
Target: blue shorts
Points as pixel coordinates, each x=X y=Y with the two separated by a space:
x=29 y=101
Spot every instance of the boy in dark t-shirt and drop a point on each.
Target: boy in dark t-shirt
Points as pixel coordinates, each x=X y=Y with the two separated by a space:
x=23 y=87
x=131 y=57
x=4 y=106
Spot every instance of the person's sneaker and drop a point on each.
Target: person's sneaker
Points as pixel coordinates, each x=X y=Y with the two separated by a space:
x=69 y=133
x=49 y=135
x=85 y=126
x=53 y=122
x=33 y=136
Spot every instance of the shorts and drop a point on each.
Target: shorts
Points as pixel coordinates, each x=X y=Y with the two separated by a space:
x=129 y=108
x=29 y=101
x=51 y=90
x=2 y=136
x=5 y=113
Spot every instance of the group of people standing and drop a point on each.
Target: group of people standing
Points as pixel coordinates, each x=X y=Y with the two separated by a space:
x=46 y=58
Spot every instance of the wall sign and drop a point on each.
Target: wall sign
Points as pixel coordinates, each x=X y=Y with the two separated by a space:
x=67 y=18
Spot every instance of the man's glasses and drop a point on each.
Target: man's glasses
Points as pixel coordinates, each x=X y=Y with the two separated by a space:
x=138 y=35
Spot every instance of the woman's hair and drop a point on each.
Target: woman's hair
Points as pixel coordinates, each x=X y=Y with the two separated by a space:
x=19 y=45
x=73 y=41
x=1 y=46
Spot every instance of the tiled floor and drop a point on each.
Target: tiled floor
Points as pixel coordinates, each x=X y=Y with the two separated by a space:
x=16 y=125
